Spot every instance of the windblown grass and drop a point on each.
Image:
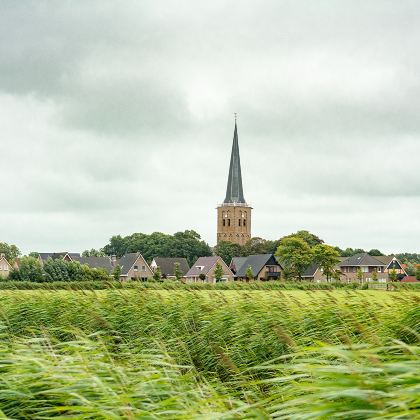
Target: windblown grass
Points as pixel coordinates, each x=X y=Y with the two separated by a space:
x=209 y=354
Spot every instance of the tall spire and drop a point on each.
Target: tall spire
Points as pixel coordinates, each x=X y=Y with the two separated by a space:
x=234 y=191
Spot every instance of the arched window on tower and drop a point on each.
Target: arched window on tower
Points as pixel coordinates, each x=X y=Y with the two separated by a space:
x=244 y=222
x=239 y=222
x=224 y=222
x=228 y=222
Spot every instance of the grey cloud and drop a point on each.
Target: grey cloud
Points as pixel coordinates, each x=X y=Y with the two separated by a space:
x=118 y=118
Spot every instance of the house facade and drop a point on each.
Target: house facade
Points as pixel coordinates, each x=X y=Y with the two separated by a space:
x=349 y=267
x=5 y=267
x=204 y=268
x=167 y=266
x=264 y=267
x=134 y=267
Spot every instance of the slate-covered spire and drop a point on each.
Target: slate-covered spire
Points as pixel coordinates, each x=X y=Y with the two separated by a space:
x=234 y=192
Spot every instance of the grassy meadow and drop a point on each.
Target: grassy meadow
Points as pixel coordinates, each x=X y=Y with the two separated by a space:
x=210 y=354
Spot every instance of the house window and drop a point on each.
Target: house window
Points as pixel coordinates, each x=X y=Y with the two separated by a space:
x=379 y=269
x=136 y=268
x=143 y=268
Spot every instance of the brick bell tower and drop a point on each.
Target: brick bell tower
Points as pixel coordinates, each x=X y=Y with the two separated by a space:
x=234 y=214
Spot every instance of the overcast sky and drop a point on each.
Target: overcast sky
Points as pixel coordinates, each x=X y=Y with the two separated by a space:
x=117 y=117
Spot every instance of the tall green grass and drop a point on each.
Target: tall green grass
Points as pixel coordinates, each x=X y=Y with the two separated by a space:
x=209 y=354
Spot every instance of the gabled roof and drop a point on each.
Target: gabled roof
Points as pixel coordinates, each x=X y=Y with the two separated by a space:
x=257 y=263
x=57 y=255
x=167 y=265
x=3 y=258
x=205 y=264
x=361 y=259
x=95 y=262
x=384 y=259
x=237 y=263
x=234 y=190
x=410 y=279
x=311 y=270
x=128 y=260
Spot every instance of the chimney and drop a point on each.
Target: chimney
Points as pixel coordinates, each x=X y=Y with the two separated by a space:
x=113 y=260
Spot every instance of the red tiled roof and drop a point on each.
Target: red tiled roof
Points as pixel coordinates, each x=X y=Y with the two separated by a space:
x=409 y=279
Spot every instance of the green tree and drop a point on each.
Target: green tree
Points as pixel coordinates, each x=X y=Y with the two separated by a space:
x=187 y=244
x=249 y=274
x=11 y=252
x=418 y=272
x=327 y=258
x=116 y=272
x=393 y=275
x=311 y=239
x=177 y=271
x=227 y=250
x=374 y=275
x=359 y=274
x=202 y=276
x=93 y=253
x=258 y=245
x=375 y=253
x=218 y=272
x=295 y=255
x=157 y=275
x=30 y=269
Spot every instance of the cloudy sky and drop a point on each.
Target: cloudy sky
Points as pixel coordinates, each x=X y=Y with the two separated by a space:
x=117 y=117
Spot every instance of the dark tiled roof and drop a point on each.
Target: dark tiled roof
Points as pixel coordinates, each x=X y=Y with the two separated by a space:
x=95 y=262
x=237 y=263
x=384 y=259
x=206 y=262
x=359 y=260
x=256 y=262
x=167 y=265
x=127 y=261
x=311 y=270
x=57 y=255
x=54 y=255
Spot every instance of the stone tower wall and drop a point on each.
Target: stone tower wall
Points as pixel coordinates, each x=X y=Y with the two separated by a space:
x=238 y=230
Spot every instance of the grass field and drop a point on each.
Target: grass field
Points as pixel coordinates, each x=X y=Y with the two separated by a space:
x=209 y=354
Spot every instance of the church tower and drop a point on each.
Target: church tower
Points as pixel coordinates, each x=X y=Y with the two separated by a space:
x=234 y=214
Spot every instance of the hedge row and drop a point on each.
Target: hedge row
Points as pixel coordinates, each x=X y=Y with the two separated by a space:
x=174 y=285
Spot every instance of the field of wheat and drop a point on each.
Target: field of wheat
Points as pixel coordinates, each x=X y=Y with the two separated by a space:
x=209 y=354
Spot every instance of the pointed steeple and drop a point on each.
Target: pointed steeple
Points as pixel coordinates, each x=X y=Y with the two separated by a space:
x=234 y=191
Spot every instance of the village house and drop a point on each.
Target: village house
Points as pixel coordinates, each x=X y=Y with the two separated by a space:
x=264 y=267
x=167 y=266
x=66 y=256
x=203 y=270
x=348 y=267
x=5 y=267
x=133 y=265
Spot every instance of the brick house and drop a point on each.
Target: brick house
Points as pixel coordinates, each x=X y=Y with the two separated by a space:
x=349 y=267
x=5 y=267
x=264 y=267
x=167 y=266
x=205 y=267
